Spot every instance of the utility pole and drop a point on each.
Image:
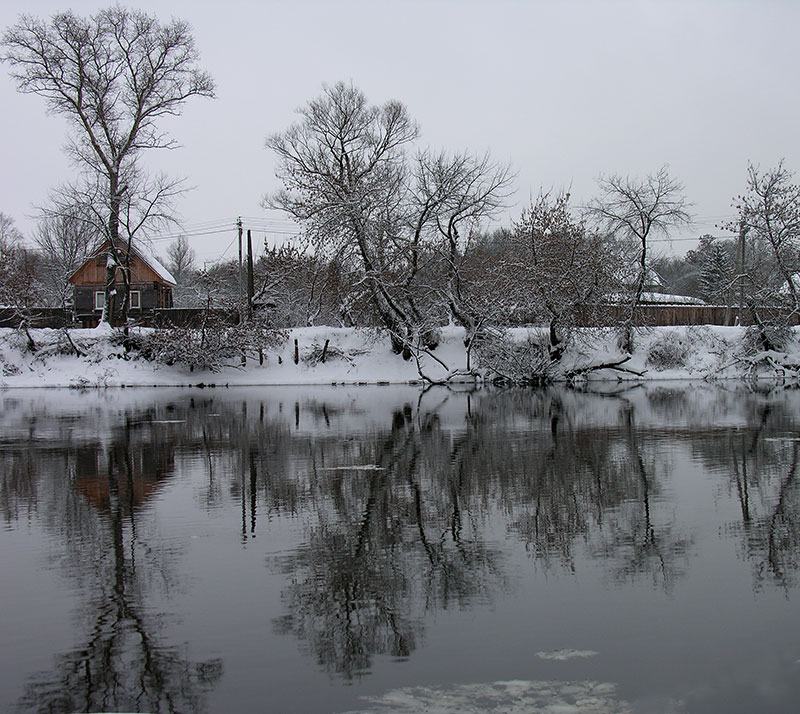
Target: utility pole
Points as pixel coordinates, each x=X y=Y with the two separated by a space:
x=250 y=281
x=241 y=280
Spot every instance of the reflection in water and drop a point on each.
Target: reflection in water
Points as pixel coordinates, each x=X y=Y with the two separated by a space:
x=764 y=471
x=94 y=503
x=384 y=544
x=404 y=506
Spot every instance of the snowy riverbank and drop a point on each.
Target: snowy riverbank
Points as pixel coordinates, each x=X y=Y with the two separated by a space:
x=355 y=356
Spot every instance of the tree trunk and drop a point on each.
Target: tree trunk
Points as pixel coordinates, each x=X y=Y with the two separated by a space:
x=109 y=307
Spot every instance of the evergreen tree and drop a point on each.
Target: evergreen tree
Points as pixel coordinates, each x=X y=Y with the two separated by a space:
x=716 y=272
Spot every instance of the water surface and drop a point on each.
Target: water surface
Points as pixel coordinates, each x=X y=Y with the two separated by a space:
x=385 y=549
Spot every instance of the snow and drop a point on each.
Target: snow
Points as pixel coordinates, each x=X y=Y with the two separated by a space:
x=565 y=654
x=666 y=299
x=363 y=356
x=650 y=298
x=511 y=697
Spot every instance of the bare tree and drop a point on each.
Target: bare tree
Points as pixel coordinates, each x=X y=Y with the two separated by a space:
x=564 y=269
x=181 y=263
x=348 y=180
x=343 y=170
x=113 y=75
x=769 y=221
x=65 y=240
x=10 y=235
x=634 y=210
x=20 y=288
x=455 y=194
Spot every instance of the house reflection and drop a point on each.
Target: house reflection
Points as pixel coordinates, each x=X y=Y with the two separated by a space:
x=133 y=477
x=123 y=663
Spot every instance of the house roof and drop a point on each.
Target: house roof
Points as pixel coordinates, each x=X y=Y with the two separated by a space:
x=154 y=264
x=140 y=251
x=649 y=298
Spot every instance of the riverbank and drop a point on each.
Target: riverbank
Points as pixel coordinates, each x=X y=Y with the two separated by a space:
x=330 y=355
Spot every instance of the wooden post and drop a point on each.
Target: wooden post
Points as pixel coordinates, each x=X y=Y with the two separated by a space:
x=325 y=351
x=250 y=281
x=241 y=279
x=296 y=352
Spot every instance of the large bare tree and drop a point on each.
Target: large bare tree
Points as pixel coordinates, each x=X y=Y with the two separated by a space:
x=343 y=171
x=348 y=179
x=113 y=76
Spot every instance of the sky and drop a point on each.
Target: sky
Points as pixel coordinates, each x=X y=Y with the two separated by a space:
x=565 y=91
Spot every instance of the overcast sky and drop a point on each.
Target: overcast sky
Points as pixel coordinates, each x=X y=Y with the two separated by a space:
x=563 y=90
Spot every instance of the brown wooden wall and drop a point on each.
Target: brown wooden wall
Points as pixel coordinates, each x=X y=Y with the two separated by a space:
x=93 y=272
x=681 y=315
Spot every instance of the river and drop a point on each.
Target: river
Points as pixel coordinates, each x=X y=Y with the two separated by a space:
x=387 y=549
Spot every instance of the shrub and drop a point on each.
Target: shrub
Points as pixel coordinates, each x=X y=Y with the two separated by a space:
x=758 y=338
x=668 y=352
x=212 y=347
x=505 y=359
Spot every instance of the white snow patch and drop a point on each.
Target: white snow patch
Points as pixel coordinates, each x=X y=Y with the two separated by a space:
x=365 y=467
x=512 y=697
x=566 y=654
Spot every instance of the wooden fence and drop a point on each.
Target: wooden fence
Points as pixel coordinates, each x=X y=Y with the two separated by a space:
x=608 y=315
x=680 y=314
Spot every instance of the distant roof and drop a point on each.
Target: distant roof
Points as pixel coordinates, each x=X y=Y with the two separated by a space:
x=665 y=299
x=648 y=298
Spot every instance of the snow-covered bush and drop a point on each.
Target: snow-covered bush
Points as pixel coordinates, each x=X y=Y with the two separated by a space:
x=210 y=348
x=758 y=338
x=327 y=352
x=668 y=352
x=505 y=359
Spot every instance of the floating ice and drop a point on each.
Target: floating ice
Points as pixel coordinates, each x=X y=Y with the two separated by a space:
x=566 y=654
x=354 y=467
x=512 y=697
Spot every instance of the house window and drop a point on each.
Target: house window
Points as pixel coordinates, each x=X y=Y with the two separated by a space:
x=99 y=300
x=136 y=300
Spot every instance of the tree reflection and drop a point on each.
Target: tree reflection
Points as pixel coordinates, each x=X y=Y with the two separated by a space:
x=404 y=509
x=399 y=523
x=390 y=537
x=92 y=494
x=632 y=538
x=764 y=471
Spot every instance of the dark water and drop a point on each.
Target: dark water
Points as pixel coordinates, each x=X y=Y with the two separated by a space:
x=379 y=549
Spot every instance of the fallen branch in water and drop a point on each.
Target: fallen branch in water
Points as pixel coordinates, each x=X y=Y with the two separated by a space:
x=615 y=365
x=779 y=365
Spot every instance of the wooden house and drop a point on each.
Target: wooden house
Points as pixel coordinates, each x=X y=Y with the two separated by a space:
x=151 y=286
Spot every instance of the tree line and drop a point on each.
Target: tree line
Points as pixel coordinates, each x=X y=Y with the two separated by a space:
x=393 y=233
